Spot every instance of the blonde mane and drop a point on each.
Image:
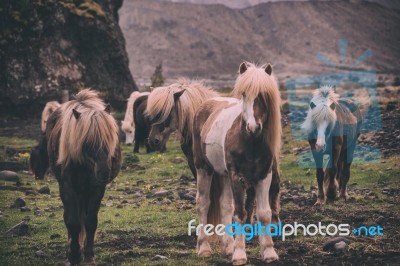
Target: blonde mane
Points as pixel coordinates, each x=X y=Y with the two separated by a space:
x=128 y=122
x=47 y=111
x=255 y=82
x=161 y=102
x=95 y=128
x=322 y=98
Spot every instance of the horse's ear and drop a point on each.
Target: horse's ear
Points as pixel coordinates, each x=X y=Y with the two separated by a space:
x=178 y=94
x=242 y=67
x=108 y=108
x=268 y=69
x=312 y=105
x=76 y=114
x=332 y=106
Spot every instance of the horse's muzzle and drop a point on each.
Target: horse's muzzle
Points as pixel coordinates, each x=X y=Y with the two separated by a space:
x=253 y=129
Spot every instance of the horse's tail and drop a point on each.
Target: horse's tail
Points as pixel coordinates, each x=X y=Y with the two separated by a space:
x=214 y=211
x=82 y=233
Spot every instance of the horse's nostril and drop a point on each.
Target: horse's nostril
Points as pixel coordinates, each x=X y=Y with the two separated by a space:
x=156 y=141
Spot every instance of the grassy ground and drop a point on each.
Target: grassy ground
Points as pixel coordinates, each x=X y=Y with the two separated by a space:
x=135 y=224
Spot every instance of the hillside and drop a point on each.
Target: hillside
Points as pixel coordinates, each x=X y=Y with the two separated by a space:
x=209 y=41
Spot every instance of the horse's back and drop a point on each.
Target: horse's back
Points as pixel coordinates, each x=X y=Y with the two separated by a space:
x=213 y=120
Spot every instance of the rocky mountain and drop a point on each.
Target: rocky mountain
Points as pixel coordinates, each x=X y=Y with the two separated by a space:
x=210 y=41
x=247 y=3
x=50 y=46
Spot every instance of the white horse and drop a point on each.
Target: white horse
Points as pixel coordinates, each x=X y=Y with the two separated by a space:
x=128 y=124
x=333 y=126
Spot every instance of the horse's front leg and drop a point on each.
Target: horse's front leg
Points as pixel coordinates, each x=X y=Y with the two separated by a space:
x=239 y=188
x=188 y=151
x=318 y=158
x=72 y=222
x=202 y=206
x=264 y=215
x=331 y=176
x=91 y=222
x=226 y=205
x=274 y=195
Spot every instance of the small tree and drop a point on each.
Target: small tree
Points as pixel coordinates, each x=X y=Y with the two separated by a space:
x=157 y=78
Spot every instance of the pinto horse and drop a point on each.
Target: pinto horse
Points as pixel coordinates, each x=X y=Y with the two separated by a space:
x=173 y=108
x=128 y=124
x=84 y=153
x=236 y=144
x=333 y=126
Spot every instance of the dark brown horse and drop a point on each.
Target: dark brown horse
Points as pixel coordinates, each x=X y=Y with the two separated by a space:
x=143 y=126
x=333 y=127
x=84 y=154
x=236 y=144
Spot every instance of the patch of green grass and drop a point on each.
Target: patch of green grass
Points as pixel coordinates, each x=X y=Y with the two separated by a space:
x=134 y=226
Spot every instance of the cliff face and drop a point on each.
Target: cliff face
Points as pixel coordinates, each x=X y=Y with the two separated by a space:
x=49 y=46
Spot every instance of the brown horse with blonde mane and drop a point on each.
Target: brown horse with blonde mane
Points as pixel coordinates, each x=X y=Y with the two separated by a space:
x=83 y=150
x=173 y=108
x=236 y=144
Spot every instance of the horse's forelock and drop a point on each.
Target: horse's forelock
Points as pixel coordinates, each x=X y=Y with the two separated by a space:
x=322 y=98
x=95 y=127
x=255 y=82
x=161 y=102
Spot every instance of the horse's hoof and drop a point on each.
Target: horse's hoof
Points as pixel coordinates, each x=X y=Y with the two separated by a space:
x=270 y=255
x=228 y=252
x=239 y=257
x=319 y=204
x=239 y=262
x=89 y=262
x=204 y=253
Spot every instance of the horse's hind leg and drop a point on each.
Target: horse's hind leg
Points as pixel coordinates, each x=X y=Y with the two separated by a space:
x=345 y=173
x=202 y=206
x=91 y=223
x=240 y=215
x=264 y=215
x=250 y=196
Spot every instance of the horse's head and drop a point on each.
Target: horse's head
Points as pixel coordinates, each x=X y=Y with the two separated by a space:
x=254 y=111
x=321 y=114
x=129 y=131
x=165 y=121
x=99 y=144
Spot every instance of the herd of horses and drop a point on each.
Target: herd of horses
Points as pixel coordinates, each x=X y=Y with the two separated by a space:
x=232 y=145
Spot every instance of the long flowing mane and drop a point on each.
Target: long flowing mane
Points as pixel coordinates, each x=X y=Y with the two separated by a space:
x=95 y=129
x=47 y=111
x=128 y=119
x=254 y=82
x=321 y=112
x=161 y=102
